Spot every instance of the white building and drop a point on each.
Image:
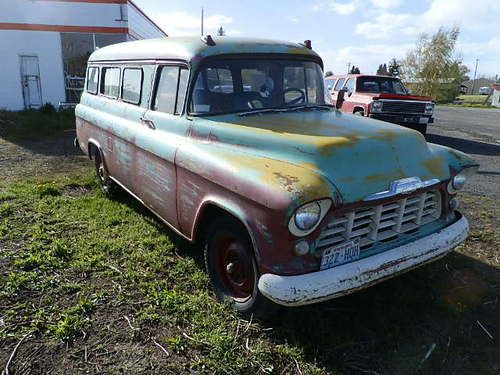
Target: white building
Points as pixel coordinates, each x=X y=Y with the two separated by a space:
x=495 y=97
x=44 y=45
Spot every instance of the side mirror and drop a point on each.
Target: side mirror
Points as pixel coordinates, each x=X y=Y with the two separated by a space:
x=340 y=99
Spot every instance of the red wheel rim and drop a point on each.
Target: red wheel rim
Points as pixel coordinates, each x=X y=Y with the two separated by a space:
x=234 y=265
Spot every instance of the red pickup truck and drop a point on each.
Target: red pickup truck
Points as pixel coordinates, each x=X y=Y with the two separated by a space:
x=381 y=97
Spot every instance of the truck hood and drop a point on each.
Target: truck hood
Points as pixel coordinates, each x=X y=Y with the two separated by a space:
x=395 y=96
x=358 y=156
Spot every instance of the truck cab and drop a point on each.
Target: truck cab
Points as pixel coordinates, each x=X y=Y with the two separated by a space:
x=381 y=97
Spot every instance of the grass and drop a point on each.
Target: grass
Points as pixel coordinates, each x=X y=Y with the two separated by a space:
x=102 y=286
x=472 y=101
x=33 y=124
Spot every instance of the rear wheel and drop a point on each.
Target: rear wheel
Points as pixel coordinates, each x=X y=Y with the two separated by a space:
x=359 y=112
x=232 y=267
x=108 y=186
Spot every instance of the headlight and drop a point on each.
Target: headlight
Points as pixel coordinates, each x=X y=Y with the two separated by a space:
x=376 y=106
x=429 y=108
x=307 y=217
x=458 y=181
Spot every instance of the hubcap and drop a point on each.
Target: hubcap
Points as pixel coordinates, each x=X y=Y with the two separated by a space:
x=235 y=267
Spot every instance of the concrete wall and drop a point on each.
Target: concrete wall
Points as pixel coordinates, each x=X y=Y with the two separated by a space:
x=139 y=26
x=45 y=45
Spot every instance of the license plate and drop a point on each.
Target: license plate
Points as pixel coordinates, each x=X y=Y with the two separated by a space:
x=340 y=254
x=411 y=119
x=424 y=120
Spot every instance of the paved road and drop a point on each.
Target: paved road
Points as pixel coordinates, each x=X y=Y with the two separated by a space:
x=476 y=132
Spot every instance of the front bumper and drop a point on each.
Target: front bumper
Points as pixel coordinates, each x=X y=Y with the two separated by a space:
x=402 y=119
x=341 y=280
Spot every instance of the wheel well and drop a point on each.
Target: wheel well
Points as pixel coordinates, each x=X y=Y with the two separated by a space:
x=358 y=109
x=209 y=212
x=92 y=149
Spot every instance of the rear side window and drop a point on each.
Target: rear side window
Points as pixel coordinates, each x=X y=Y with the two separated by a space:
x=349 y=85
x=132 y=85
x=329 y=83
x=92 y=80
x=219 y=80
x=339 y=84
x=173 y=79
x=110 y=82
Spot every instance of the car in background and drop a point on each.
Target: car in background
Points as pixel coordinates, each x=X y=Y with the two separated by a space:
x=380 y=97
x=485 y=90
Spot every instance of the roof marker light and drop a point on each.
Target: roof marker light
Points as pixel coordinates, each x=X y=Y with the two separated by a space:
x=307 y=44
x=208 y=40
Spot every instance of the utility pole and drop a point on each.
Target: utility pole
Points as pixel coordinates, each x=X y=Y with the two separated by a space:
x=201 y=21
x=348 y=67
x=474 y=80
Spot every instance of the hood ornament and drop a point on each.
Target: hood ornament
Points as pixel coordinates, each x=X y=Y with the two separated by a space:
x=403 y=186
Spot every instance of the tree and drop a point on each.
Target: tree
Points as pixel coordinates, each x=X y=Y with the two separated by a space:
x=382 y=70
x=221 y=31
x=434 y=67
x=394 y=68
x=328 y=73
x=354 y=70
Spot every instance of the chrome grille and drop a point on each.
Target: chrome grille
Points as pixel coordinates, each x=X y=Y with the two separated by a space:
x=403 y=106
x=382 y=223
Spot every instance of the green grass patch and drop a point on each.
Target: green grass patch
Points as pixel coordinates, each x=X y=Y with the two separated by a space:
x=80 y=270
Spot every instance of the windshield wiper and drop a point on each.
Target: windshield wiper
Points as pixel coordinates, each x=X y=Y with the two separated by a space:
x=286 y=109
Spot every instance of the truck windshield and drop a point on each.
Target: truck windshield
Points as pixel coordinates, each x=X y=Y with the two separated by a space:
x=381 y=85
x=243 y=85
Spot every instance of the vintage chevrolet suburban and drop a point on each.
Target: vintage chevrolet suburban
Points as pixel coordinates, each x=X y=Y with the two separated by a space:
x=232 y=144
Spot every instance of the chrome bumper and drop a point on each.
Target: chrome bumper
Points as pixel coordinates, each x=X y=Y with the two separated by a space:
x=341 y=280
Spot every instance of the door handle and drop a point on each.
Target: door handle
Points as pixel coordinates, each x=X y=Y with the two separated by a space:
x=149 y=123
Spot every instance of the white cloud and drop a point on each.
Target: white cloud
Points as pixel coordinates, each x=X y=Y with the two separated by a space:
x=183 y=23
x=342 y=8
x=366 y=57
x=478 y=15
x=294 y=19
x=385 y=4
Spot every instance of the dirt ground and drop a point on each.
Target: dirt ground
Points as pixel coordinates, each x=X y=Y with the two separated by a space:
x=467 y=283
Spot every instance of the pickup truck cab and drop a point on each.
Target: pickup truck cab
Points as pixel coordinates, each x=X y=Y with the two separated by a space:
x=232 y=144
x=381 y=97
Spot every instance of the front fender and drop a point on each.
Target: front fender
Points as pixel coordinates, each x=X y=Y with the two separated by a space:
x=455 y=159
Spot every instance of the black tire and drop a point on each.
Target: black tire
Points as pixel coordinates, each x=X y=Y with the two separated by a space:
x=423 y=129
x=108 y=186
x=359 y=112
x=236 y=280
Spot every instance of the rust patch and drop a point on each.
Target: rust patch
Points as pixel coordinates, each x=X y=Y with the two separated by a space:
x=435 y=166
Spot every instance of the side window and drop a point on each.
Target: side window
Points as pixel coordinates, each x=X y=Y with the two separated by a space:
x=181 y=92
x=132 y=85
x=349 y=85
x=219 y=80
x=110 y=82
x=340 y=84
x=92 y=79
x=329 y=83
x=171 y=89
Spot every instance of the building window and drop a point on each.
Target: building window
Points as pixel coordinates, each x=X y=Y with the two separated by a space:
x=110 y=82
x=132 y=85
x=92 y=80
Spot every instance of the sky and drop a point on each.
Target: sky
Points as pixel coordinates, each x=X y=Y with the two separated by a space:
x=365 y=33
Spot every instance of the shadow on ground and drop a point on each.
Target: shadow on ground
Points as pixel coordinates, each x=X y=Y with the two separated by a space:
x=465 y=145
x=423 y=322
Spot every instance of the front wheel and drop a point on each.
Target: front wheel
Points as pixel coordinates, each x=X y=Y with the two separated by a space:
x=232 y=268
